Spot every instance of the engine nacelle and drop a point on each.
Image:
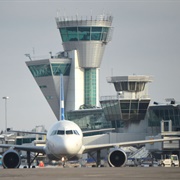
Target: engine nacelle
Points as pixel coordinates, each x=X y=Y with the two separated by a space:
x=117 y=158
x=11 y=159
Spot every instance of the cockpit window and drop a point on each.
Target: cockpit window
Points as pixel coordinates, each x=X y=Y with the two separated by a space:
x=75 y=132
x=69 y=132
x=53 y=133
x=60 y=132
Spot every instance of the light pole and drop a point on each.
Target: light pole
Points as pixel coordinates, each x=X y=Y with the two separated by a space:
x=5 y=98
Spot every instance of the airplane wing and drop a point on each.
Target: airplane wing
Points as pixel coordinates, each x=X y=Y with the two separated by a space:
x=38 y=149
x=28 y=132
x=98 y=130
x=88 y=148
x=45 y=133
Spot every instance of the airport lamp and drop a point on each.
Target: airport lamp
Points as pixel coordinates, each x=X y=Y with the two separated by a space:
x=5 y=98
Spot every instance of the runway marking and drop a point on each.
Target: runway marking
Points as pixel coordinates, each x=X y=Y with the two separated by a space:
x=94 y=175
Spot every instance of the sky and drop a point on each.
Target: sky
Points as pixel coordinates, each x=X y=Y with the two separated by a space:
x=146 y=41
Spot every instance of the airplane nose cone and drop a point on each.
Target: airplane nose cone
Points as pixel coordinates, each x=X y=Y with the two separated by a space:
x=72 y=147
x=67 y=146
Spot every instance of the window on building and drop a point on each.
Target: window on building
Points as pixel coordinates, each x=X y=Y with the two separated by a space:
x=90 y=87
x=86 y=33
x=60 y=69
x=40 y=70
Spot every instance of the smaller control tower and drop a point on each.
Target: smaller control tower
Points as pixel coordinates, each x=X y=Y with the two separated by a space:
x=131 y=102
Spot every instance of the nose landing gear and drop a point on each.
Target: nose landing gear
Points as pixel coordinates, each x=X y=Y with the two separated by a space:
x=63 y=160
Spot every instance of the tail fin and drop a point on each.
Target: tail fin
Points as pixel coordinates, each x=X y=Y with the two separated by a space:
x=61 y=115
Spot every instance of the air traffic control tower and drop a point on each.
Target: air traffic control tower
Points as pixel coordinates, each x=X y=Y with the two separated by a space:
x=84 y=42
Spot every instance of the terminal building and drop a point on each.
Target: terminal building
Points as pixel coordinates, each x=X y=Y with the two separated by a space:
x=129 y=111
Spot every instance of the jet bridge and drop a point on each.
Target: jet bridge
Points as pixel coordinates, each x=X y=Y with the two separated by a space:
x=167 y=146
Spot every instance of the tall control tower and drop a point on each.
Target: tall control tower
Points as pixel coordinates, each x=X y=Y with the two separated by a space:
x=89 y=38
x=84 y=42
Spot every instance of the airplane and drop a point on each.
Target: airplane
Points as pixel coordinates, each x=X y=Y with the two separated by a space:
x=65 y=140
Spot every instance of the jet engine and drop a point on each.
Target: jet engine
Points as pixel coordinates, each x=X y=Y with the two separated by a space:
x=11 y=159
x=117 y=158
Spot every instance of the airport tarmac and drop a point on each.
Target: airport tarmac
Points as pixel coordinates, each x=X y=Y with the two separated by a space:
x=125 y=173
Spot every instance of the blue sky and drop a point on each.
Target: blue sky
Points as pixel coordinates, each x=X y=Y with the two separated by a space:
x=146 y=41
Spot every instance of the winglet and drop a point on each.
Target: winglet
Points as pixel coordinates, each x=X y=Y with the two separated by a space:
x=61 y=116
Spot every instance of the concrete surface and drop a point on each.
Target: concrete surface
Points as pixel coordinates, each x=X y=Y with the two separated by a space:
x=125 y=173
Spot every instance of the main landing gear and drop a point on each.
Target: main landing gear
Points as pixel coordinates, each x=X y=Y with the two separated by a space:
x=29 y=161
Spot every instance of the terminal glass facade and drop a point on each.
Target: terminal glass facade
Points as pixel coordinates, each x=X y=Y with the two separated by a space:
x=89 y=119
x=124 y=111
x=23 y=140
x=164 y=112
x=55 y=69
x=90 y=86
x=84 y=33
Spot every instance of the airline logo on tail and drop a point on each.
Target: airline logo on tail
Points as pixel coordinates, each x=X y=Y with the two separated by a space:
x=61 y=116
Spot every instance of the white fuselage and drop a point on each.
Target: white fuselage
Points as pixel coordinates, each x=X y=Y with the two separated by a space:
x=64 y=139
